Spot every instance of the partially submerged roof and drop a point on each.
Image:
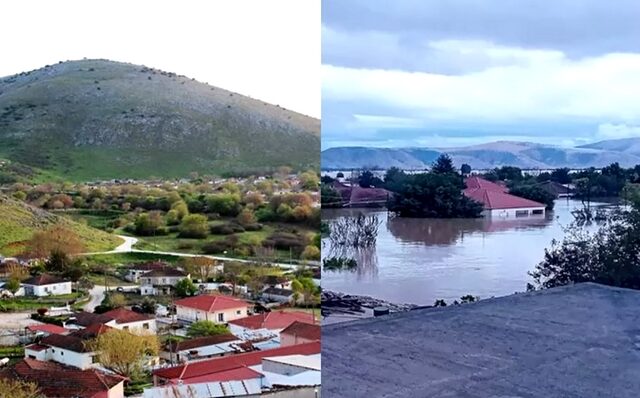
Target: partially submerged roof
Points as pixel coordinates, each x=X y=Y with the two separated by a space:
x=492 y=200
x=577 y=341
x=273 y=320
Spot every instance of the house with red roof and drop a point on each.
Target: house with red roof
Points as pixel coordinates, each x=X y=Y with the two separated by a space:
x=215 y=308
x=201 y=348
x=299 y=333
x=56 y=380
x=70 y=350
x=121 y=318
x=497 y=202
x=46 y=285
x=231 y=368
x=274 y=321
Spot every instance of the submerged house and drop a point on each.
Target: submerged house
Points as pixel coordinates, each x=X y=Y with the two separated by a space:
x=498 y=202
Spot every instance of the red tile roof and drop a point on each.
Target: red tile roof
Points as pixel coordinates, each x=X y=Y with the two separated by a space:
x=273 y=320
x=56 y=380
x=499 y=200
x=121 y=315
x=71 y=343
x=481 y=183
x=194 y=370
x=211 y=303
x=43 y=279
x=84 y=318
x=303 y=330
x=48 y=328
x=91 y=331
x=240 y=373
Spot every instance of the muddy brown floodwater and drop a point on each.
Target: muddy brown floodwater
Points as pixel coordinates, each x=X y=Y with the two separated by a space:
x=420 y=260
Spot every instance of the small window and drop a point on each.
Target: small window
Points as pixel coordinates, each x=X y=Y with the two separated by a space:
x=522 y=213
x=62 y=353
x=125 y=328
x=53 y=350
x=538 y=211
x=238 y=312
x=220 y=317
x=94 y=358
x=32 y=356
x=145 y=326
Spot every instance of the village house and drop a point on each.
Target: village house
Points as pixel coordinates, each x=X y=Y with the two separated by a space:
x=46 y=285
x=135 y=271
x=201 y=348
x=245 y=367
x=118 y=318
x=160 y=281
x=55 y=380
x=498 y=203
x=278 y=295
x=69 y=350
x=273 y=321
x=215 y=308
x=299 y=333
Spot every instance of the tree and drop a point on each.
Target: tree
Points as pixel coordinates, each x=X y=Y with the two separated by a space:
x=534 y=193
x=124 y=352
x=560 y=176
x=201 y=267
x=56 y=238
x=508 y=173
x=608 y=256
x=148 y=223
x=246 y=217
x=310 y=253
x=368 y=179
x=329 y=197
x=13 y=388
x=185 y=288
x=309 y=180
x=465 y=169
x=443 y=165
x=194 y=226
x=116 y=300
x=181 y=208
x=434 y=195
x=206 y=328
x=58 y=262
x=306 y=288
x=12 y=285
x=148 y=305
x=225 y=204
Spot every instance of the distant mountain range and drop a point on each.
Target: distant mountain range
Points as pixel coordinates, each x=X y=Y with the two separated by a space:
x=484 y=156
x=102 y=119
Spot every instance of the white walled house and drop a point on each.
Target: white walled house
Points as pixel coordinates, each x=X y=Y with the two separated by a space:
x=64 y=349
x=46 y=285
x=278 y=295
x=131 y=321
x=215 y=308
x=135 y=271
x=160 y=281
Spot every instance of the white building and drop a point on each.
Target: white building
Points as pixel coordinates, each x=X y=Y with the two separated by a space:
x=66 y=349
x=134 y=322
x=160 y=281
x=498 y=203
x=215 y=308
x=46 y=285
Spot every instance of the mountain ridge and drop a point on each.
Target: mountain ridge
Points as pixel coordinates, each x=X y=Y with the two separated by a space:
x=486 y=155
x=104 y=119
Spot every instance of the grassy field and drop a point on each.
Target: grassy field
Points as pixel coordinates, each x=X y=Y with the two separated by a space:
x=127 y=258
x=99 y=219
x=33 y=303
x=19 y=221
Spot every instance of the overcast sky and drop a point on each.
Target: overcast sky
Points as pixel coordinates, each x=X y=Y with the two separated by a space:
x=459 y=72
x=269 y=50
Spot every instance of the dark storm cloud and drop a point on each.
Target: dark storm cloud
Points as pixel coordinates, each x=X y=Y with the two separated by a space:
x=373 y=34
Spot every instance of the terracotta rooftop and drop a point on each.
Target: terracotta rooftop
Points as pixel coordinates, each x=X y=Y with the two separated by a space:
x=273 y=320
x=44 y=279
x=481 y=183
x=47 y=328
x=211 y=367
x=499 y=200
x=121 y=315
x=92 y=331
x=304 y=330
x=55 y=380
x=167 y=271
x=67 y=342
x=84 y=318
x=211 y=303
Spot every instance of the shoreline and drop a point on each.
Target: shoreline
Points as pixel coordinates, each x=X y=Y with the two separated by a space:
x=343 y=307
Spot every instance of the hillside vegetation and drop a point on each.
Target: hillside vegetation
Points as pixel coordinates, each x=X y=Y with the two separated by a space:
x=99 y=119
x=18 y=222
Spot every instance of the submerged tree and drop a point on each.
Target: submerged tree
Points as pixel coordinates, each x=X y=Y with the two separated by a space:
x=355 y=232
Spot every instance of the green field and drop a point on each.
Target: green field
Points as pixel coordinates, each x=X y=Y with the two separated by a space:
x=32 y=303
x=127 y=258
x=19 y=221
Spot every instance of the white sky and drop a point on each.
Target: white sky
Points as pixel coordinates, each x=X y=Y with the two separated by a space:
x=269 y=50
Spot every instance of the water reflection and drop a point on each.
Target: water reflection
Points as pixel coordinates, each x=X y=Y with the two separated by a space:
x=420 y=260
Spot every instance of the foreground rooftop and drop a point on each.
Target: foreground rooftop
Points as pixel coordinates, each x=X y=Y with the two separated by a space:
x=577 y=341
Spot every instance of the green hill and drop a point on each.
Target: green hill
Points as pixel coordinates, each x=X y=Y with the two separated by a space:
x=18 y=222
x=91 y=119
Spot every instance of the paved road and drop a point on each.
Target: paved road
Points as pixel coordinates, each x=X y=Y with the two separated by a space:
x=127 y=247
x=97 y=295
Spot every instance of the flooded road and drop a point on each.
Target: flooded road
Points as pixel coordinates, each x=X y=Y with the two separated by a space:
x=420 y=260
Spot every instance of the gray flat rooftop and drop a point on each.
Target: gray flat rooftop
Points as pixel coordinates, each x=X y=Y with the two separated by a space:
x=577 y=341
